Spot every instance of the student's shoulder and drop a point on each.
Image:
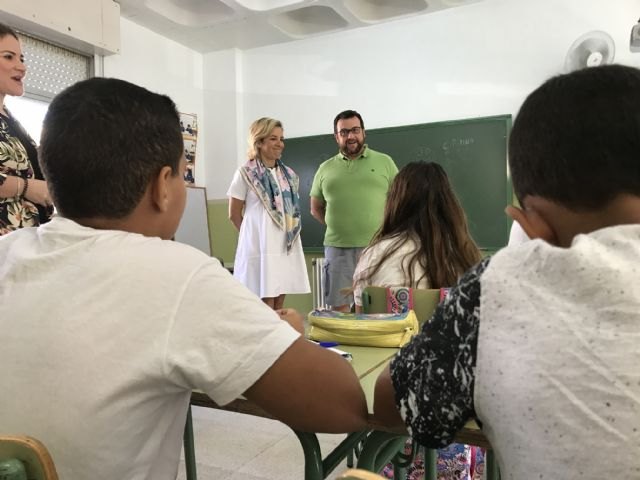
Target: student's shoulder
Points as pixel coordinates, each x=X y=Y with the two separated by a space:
x=521 y=258
x=468 y=287
x=383 y=245
x=21 y=237
x=157 y=255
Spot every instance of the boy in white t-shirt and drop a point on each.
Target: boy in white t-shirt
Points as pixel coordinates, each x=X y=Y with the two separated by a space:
x=107 y=325
x=541 y=342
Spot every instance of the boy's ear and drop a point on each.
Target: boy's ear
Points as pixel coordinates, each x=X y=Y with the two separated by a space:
x=533 y=224
x=160 y=189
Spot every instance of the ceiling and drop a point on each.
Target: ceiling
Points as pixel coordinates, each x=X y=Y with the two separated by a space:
x=210 y=25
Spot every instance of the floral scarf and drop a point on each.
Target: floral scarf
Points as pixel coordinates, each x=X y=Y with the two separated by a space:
x=277 y=198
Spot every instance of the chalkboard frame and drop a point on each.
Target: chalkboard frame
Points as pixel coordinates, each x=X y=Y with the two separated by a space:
x=324 y=146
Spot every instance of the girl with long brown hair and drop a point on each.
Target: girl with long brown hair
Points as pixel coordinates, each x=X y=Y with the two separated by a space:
x=424 y=240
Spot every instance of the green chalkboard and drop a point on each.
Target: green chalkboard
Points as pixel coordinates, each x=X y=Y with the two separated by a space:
x=473 y=152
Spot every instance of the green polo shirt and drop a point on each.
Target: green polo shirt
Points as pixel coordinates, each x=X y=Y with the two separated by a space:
x=354 y=192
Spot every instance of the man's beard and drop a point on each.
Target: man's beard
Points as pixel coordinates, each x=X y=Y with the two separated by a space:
x=352 y=148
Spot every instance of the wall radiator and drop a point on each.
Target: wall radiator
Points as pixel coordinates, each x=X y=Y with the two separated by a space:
x=317 y=283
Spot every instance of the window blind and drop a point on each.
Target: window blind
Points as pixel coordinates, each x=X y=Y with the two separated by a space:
x=50 y=68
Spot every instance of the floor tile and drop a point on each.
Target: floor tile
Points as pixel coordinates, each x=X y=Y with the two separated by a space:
x=232 y=446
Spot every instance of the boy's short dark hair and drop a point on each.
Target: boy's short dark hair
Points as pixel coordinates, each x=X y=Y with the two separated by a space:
x=103 y=141
x=345 y=115
x=576 y=140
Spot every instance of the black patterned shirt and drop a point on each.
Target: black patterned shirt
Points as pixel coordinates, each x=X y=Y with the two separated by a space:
x=434 y=375
x=17 y=158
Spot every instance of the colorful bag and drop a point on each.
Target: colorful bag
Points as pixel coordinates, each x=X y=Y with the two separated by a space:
x=361 y=329
x=399 y=299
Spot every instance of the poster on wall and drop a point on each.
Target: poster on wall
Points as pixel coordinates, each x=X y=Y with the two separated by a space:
x=189 y=127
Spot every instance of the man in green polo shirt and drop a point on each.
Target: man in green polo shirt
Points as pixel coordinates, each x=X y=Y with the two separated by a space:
x=348 y=195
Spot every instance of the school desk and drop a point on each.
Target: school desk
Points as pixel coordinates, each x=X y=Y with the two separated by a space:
x=374 y=446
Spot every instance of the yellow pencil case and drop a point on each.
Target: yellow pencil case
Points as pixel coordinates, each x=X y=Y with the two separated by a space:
x=361 y=329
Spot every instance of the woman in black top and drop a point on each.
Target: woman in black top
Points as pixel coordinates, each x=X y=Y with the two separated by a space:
x=24 y=196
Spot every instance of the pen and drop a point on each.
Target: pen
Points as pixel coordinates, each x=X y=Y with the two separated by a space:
x=331 y=346
x=342 y=353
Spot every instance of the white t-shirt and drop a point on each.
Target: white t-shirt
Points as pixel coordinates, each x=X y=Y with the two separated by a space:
x=541 y=344
x=557 y=383
x=104 y=335
x=391 y=274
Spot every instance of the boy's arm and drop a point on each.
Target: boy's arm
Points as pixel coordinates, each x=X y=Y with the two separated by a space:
x=386 y=413
x=312 y=389
x=429 y=385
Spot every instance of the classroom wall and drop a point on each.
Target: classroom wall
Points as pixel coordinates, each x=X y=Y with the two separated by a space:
x=477 y=60
x=163 y=66
x=480 y=59
x=223 y=103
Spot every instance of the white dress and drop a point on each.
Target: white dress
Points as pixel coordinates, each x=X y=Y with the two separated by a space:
x=262 y=262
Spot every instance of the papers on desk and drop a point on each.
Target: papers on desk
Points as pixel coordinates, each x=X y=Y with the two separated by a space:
x=342 y=353
x=332 y=346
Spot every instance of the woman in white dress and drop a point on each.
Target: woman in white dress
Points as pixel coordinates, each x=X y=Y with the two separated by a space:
x=264 y=206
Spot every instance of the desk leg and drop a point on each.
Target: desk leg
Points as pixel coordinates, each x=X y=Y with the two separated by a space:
x=430 y=464
x=315 y=468
x=379 y=448
x=491 y=466
x=189 y=448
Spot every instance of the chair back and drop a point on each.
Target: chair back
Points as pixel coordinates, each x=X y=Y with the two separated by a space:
x=359 y=474
x=425 y=301
x=25 y=458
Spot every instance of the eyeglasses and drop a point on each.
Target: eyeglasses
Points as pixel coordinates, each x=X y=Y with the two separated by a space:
x=346 y=131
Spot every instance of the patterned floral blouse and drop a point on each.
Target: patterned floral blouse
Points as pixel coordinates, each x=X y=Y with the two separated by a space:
x=433 y=376
x=16 y=159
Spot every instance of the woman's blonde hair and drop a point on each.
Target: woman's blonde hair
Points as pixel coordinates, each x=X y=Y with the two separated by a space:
x=258 y=131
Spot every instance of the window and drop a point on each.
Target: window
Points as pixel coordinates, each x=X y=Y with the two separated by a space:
x=50 y=69
x=30 y=113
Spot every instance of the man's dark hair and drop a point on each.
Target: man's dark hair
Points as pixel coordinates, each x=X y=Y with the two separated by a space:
x=103 y=140
x=576 y=140
x=7 y=30
x=345 y=115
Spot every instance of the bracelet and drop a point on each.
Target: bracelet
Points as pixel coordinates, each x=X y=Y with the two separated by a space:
x=24 y=187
